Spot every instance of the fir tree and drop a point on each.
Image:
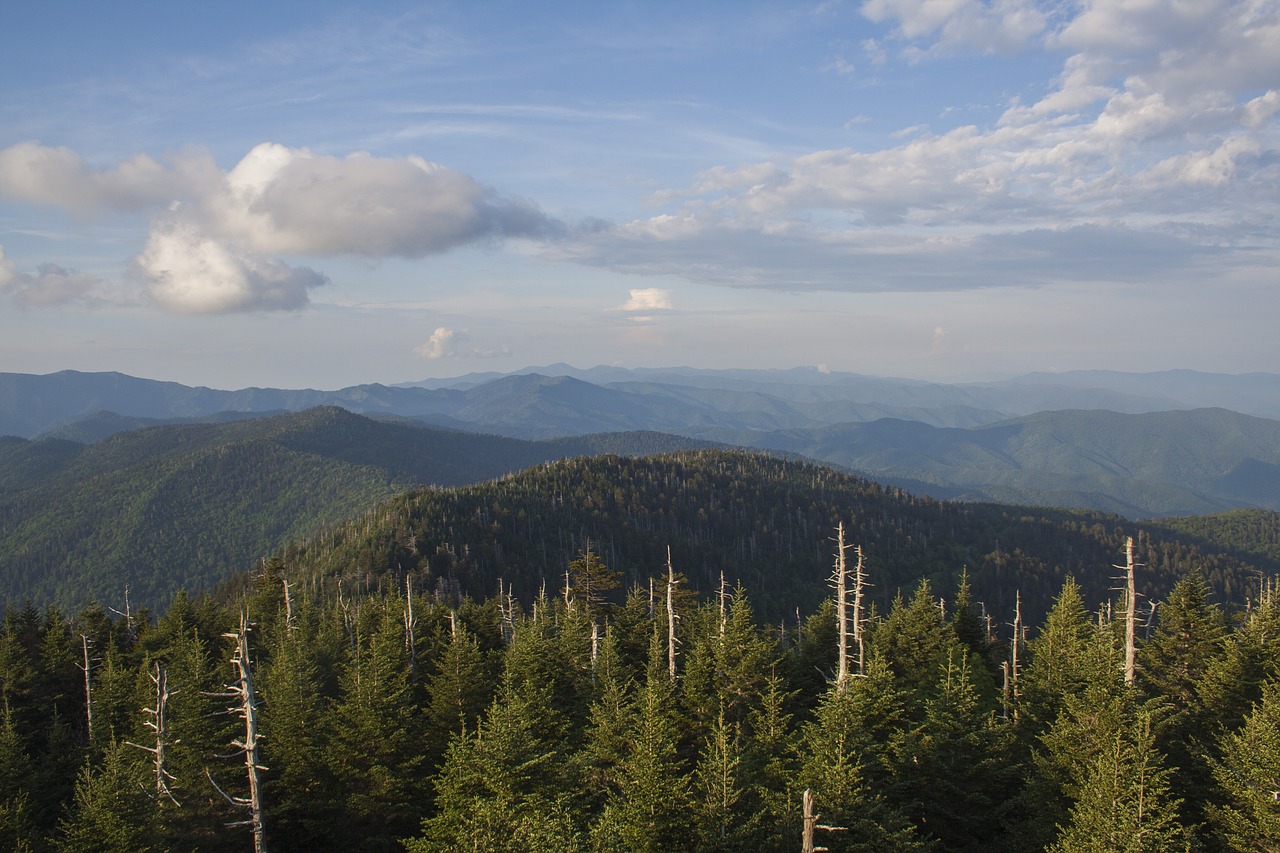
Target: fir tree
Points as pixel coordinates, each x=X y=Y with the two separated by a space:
x=1248 y=774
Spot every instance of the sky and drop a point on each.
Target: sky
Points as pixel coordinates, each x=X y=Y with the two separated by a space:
x=311 y=195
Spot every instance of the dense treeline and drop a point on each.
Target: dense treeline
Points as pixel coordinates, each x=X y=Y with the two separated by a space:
x=762 y=520
x=572 y=721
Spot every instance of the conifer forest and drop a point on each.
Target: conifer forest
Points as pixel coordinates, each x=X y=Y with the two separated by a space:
x=665 y=667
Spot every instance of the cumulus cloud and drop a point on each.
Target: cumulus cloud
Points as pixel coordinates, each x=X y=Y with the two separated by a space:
x=216 y=236
x=51 y=285
x=648 y=299
x=59 y=178
x=447 y=343
x=283 y=200
x=439 y=345
x=187 y=272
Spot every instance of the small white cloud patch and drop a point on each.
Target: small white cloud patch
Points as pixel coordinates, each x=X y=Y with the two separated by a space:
x=649 y=299
x=439 y=345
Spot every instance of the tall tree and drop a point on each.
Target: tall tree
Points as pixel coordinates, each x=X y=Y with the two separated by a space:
x=1249 y=776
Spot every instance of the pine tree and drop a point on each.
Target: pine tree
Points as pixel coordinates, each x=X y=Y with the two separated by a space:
x=1248 y=774
x=499 y=783
x=846 y=762
x=1173 y=663
x=377 y=730
x=651 y=811
x=952 y=770
x=112 y=812
x=1123 y=804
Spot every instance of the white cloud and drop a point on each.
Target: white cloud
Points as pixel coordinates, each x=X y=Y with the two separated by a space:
x=1154 y=151
x=439 y=345
x=214 y=234
x=187 y=272
x=58 y=177
x=282 y=200
x=997 y=26
x=648 y=299
x=51 y=285
x=446 y=343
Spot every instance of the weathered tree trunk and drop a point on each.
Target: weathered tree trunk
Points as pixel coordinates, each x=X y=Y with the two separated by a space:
x=1130 y=613
x=841 y=581
x=158 y=724
x=246 y=706
x=811 y=824
x=671 y=617
x=88 y=686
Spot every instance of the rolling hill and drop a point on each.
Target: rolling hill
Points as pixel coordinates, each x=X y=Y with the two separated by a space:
x=166 y=507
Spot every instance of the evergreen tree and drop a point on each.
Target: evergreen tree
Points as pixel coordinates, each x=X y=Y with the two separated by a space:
x=498 y=784
x=375 y=752
x=845 y=762
x=727 y=815
x=458 y=690
x=651 y=811
x=1123 y=804
x=112 y=812
x=952 y=770
x=1173 y=664
x=1248 y=774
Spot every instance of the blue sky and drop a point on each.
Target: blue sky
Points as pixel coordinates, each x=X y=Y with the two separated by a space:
x=311 y=195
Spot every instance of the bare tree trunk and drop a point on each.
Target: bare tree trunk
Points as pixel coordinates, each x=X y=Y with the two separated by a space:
x=811 y=824
x=810 y=821
x=158 y=724
x=87 y=666
x=724 y=595
x=671 y=617
x=410 y=641
x=247 y=707
x=859 y=581
x=1131 y=612
x=840 y=579
x=288 y=606
x=1011 y=666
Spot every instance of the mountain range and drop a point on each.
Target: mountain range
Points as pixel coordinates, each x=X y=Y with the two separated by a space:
x=1142 y=445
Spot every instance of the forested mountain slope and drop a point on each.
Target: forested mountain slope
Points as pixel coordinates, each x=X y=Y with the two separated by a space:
x=762 y=521
x=182 y=506
x=390 y=716
x=1140 y=465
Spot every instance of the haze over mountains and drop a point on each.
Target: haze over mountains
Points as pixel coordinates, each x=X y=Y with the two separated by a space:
x=1172 y=443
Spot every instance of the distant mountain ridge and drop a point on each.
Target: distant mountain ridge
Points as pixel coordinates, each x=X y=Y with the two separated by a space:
x=565 y=401
x=1099 y=445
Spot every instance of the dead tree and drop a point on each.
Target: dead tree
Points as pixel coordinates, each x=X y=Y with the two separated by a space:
x=724 y=610
x=1010 y=667
x=840 y=581
x=811 y=824
x=158 y=724
x=246 y=706
x=672 y=617
x=410 y=646
x=1130 y=612
x=848 y=628
x=87 y=667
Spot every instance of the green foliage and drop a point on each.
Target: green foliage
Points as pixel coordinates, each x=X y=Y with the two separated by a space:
x=1249 y=773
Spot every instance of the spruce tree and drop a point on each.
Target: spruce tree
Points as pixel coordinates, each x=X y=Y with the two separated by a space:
x=1123 y=804
x=1248 y=774
x=112 y=812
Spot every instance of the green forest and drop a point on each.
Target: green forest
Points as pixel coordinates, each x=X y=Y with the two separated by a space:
x=666 y=653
